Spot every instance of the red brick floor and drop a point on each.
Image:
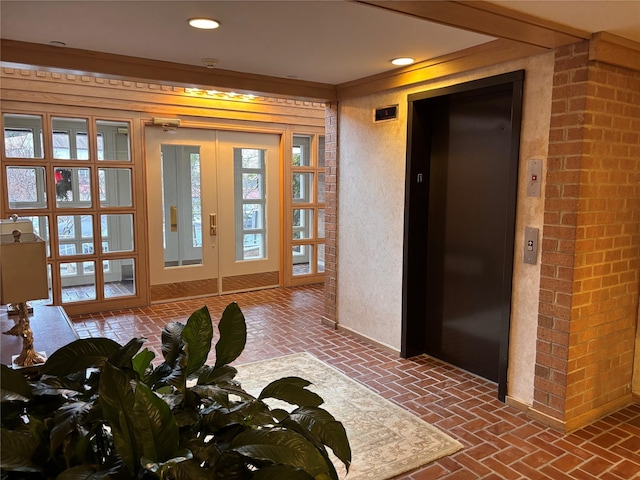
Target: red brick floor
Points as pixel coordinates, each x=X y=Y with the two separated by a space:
x=500 y=442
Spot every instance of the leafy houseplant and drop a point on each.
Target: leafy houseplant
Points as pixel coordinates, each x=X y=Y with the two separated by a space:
x=103 y=411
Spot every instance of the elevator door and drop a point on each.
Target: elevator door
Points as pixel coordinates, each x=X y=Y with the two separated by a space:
x=464 y=211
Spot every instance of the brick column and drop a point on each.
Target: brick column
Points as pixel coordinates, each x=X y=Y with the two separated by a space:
x=591 y=242
x=331 y=215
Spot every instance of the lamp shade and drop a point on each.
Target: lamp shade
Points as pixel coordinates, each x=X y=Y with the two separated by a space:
x=23 y=268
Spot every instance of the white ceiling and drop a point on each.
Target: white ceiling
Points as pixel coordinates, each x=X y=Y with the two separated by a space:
x=328 y=41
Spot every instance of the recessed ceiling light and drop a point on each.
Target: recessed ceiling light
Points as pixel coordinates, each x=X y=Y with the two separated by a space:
x=402 y=61
x=57 y=43
x=204 y=23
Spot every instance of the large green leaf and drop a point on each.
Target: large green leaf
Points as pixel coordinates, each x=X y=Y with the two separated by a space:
x=155 y=428
x=233 y=335
x=281 y=472
x=323 y=426
x=209 y=375
x=190 y=470
x=66 y=420
x=172 y=342
x=197 y=335
x=142 y=361
x=117 y=400
x=281 y=447
x=13 y=385
x=18 y=448
x=292 y=390
x=79 y=355
x=85 y=472
x=122 y=358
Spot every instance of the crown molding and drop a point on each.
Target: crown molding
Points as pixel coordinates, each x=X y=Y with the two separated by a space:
x=27 y=55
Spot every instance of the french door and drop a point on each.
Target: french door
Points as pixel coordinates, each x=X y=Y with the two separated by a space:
x=213 y=211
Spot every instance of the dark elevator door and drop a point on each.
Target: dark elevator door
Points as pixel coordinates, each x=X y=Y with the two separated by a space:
x=468 y=224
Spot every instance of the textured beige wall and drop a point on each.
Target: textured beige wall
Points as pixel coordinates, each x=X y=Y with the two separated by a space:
x=371 y=215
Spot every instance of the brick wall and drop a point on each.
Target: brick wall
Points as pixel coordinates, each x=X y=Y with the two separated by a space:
x=331 y=213
x=591 y=241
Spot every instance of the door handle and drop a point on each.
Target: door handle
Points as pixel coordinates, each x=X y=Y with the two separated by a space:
x=173 y=213
x=213 y=224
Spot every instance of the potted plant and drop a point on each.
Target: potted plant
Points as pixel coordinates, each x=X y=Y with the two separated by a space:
x=101 y=410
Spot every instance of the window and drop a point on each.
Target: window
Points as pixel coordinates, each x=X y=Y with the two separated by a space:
x=307 y=206
x=250 y=200
x=76 y=200
x=20 y=135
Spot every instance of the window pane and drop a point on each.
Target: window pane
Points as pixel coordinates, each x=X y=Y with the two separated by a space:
x=67 y=132
x=251 y=186
x=301 y=256
x=78 y=281
x=196 y=201
x=321 y=151
x=252 y=158
x=73 y=187
x=302 y=187
x=302 y=223
x=320 y=268
x=26 y=187
x=84 y=185
x=61 y=145
x=320 y=187
x=113 y=140
x=321 y=223
x=117 y=233
x=181 y=205
x=115 y=187
x=252 y=216
x=301 y=151
x=82 y=146
x=23 y=136
x=75 y=234
x=119 y=277
x=253 y=246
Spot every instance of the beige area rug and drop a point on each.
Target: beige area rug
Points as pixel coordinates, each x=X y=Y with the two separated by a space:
x=385 y=439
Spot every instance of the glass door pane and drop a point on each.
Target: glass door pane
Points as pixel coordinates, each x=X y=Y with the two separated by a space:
x=181 y=204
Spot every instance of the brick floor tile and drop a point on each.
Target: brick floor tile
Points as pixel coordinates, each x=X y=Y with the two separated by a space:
x=501 y=469
x=527 y=471
x=626 y=469
x=427 y=473
x=509 y=455
x=566 y=462
x=554 y=473
x=499 y=441
x=537 y=459
x=473 y=465
x=596 y=466
x=461 y=475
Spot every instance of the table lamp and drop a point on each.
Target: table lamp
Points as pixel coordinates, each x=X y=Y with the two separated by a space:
x=23 y=274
